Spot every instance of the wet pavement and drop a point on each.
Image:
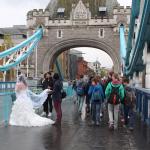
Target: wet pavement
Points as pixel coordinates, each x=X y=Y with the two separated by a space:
x=74 y=134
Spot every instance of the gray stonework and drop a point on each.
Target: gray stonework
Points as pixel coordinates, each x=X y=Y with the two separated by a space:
x=77 y=33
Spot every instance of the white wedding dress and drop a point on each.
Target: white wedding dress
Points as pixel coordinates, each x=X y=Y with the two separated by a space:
x=23 y=113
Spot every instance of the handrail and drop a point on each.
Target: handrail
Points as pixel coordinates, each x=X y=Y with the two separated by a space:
x=143 y=103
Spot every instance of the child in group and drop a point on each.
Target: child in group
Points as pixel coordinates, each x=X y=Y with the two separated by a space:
x=97 y=96
x=129 y=105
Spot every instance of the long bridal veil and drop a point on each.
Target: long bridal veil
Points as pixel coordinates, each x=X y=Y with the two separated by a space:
x=23 y=113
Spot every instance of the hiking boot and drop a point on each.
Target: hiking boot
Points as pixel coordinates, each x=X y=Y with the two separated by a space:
x=97 y=123
x=131 y=128
x=115 y=128
x=80 y=112
x=92 y=123
x=57 y=123
x=111 y=127
x=49 y=114
x=101 y=115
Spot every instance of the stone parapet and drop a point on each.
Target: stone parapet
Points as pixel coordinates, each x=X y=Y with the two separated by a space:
x=122 y=10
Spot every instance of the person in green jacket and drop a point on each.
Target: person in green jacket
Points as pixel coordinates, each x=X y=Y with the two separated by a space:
x=114 y=95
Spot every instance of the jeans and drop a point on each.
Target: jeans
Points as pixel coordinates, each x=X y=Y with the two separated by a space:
x=57 y=106
x=113 y=112
x=129 y=116
x=95 y=106
x=48 y=106
x=80 y=103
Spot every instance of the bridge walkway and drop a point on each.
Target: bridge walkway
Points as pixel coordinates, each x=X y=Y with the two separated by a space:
x=74 y=134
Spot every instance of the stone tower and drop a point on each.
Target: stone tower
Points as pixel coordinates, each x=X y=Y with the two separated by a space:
x=79 y=27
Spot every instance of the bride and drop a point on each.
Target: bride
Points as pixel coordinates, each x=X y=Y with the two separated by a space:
x=23 y=113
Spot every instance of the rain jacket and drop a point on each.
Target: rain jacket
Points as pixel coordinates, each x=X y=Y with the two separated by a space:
x=91 y=89
x=115 y=84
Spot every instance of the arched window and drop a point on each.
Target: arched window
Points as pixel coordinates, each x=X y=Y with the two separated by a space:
x=59 y=33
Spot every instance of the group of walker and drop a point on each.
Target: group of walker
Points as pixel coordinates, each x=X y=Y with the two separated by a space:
x=113 y=92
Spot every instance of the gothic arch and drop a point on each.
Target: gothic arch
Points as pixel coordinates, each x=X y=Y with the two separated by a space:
x=54 y=51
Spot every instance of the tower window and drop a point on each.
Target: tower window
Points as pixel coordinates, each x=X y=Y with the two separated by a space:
x=59 y=33
x=101 y=33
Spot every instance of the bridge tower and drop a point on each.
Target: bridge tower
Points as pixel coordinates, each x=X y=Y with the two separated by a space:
x=77 y=23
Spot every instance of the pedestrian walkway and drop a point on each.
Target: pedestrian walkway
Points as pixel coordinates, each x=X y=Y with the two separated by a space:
x=75 y=134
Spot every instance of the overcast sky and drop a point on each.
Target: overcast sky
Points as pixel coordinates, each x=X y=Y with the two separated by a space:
x=13 y=12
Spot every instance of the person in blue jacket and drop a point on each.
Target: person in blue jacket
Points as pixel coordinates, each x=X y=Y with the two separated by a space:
x=97 y=97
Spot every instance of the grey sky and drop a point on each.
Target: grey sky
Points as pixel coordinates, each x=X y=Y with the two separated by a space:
x=13 y=12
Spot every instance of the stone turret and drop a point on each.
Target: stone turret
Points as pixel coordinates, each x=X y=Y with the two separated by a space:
x=52 y=6
x=110 y=4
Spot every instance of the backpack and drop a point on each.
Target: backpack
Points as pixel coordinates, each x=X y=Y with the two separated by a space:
x=80 y=89
x=96 y=95
x=114 y=97
x=129 y=97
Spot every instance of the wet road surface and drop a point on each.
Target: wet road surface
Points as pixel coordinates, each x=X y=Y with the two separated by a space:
x=74 y=134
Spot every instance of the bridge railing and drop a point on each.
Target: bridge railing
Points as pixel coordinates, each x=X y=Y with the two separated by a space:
x=7 y=86
x=7 y=97
x=143 y=104
x=6 y=100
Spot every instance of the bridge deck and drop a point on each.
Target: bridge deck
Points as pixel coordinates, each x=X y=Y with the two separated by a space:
x=75 y=134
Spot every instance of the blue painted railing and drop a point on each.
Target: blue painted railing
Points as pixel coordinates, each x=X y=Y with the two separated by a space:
x=7 y=86
x=59 y=69
x=143 y=104
x=5 y=107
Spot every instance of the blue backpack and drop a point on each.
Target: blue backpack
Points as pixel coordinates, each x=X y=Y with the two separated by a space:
x=96 y=95
x=80 y=89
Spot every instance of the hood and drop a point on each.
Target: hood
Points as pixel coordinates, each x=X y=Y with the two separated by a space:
x=97 y=86
x=116 y=83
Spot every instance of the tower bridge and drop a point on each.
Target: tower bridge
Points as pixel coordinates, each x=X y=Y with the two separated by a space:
x=81 y=27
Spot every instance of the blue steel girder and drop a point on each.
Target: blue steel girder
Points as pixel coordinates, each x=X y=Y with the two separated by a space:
x=141 y=39
x=15 y=55
x=59 y=69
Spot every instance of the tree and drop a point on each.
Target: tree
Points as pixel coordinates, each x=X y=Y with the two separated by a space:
x=103 y=72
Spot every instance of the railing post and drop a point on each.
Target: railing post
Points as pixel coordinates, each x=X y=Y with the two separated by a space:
x=148 y=105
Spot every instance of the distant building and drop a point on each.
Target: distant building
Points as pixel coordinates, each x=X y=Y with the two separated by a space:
x=82 y=66
x=18 y=33
x=95 y=66
x=73 y=66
